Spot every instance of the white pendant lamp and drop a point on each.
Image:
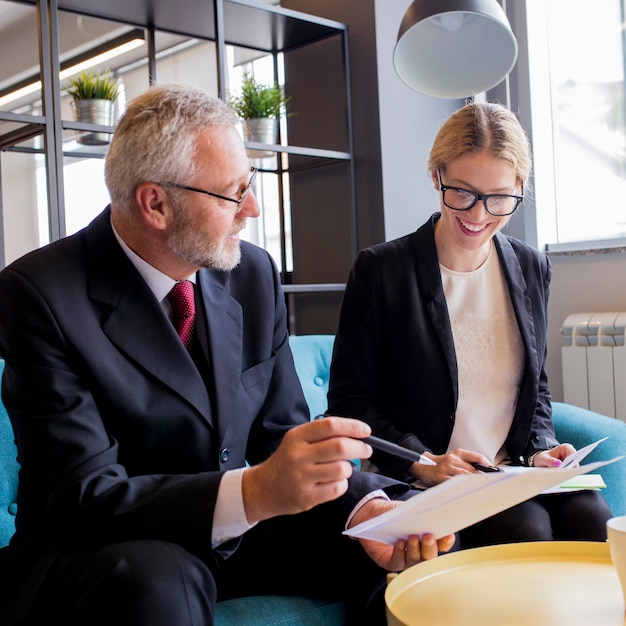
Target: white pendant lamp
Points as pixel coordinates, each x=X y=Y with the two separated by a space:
x=454 y=48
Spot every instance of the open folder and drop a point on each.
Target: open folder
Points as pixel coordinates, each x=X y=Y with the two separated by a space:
x=464 y=500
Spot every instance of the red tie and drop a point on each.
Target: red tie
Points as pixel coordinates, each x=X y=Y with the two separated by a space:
x=183 y=311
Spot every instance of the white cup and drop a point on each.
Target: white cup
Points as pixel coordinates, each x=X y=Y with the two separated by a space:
x=616 y=534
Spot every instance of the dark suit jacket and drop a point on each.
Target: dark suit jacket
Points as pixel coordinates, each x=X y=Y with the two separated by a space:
x=117 y=436
x=394 y=363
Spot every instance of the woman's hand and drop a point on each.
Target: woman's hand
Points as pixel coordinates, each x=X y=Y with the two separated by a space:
x=554 y=457
x=458 y=461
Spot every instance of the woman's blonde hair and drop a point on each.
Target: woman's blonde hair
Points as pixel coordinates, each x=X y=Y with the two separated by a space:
x=482 y=127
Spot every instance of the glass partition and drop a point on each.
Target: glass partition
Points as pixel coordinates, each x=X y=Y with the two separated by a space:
x=21 y=133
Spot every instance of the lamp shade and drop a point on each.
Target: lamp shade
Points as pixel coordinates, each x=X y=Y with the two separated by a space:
x=454 y=48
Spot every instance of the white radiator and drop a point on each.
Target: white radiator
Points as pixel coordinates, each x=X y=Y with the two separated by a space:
x=594 y=362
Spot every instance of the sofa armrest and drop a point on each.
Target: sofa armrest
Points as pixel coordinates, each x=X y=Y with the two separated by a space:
x=8 y=474
x=581 y=427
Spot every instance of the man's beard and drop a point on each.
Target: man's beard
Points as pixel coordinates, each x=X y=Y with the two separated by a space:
x=198 y=247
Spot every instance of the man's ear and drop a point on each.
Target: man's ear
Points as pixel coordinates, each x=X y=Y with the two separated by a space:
x=153 y=204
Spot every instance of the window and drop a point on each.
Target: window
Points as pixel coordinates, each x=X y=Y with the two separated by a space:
x=576 y=67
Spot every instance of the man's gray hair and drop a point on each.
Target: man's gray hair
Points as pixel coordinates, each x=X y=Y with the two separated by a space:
x=155 y=137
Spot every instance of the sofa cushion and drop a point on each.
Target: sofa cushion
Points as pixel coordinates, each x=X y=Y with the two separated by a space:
x=312 y=355
x=279 y=611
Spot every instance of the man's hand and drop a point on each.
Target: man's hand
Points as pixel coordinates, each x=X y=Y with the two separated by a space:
x=311 y=466
x=404 y=553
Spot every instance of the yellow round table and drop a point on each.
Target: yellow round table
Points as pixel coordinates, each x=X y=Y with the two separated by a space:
x=550 y=583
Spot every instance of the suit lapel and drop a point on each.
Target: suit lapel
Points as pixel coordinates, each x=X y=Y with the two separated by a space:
x=224 y=319
x=431 y=287
x=136 y=323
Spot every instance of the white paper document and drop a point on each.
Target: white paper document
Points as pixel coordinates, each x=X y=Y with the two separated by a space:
x=579 y=455
x=464 y=500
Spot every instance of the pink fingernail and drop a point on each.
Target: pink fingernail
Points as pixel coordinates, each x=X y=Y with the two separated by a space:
x=556 y=463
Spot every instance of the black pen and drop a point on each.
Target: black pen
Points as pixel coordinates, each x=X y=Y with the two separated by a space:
x=399 y=451
x=393 y=448
x=485 y=468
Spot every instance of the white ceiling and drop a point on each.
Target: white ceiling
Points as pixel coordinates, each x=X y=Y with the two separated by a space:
x=12 y=12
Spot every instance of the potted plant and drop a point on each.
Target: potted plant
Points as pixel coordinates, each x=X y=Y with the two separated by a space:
x=93 y=100
x=260 y=107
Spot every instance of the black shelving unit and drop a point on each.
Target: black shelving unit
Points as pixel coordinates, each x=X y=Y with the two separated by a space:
x=244 y=23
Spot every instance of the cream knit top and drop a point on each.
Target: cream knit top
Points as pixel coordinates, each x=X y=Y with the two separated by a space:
x=490 y=357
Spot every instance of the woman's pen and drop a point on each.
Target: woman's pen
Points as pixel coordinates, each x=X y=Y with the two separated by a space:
x=396 y=450
x=410 y=455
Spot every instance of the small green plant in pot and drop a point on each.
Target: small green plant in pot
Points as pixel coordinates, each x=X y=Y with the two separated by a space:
x=91 y=85
x=93 y=100
x=260 y=107
x=259 y=101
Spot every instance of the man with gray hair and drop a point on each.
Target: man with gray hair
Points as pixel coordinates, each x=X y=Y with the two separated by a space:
x=167 y=456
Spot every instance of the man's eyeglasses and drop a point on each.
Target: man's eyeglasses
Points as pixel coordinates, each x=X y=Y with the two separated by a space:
x=238 y=201
x=496 y=204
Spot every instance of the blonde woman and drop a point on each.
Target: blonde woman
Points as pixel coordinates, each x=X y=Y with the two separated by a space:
x=441 y=344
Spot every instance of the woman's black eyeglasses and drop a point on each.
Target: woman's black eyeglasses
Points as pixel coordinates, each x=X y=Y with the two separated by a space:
x=496 y=204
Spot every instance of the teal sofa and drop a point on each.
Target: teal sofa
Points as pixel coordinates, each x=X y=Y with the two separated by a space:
x=312 y=355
